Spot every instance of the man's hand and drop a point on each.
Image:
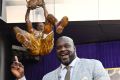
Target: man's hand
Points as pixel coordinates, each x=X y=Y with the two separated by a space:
x=17 y=68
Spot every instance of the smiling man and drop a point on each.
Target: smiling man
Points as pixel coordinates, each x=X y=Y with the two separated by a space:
x=71 y=68
x=79 y=69
x=65 y=50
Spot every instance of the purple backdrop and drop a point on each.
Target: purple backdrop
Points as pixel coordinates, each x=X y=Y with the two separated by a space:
x=107 y=52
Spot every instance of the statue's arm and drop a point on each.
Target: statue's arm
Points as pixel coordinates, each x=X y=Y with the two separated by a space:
x=28 y=22
x=45 y=10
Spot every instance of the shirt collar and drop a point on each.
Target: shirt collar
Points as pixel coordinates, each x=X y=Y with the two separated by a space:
x=72 y=64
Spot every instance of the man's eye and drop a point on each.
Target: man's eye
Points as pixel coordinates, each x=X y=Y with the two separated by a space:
x=67 y=46
x=58 y=47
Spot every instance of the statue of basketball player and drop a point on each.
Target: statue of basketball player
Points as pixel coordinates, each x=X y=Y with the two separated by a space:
x=39 y=41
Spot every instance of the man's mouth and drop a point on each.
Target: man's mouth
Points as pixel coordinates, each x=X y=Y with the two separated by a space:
x=64 y=55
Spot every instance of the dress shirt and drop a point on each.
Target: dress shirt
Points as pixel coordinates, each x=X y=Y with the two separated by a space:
x=63 y=70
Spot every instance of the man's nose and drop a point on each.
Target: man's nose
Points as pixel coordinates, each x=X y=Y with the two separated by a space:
x=63 y=48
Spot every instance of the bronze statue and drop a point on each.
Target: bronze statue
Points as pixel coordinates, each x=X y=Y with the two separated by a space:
x=39 y=41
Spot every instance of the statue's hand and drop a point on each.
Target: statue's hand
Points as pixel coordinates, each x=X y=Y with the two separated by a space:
x=33 y=4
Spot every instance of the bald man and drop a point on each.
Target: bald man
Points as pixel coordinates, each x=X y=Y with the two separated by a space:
x=79 y=69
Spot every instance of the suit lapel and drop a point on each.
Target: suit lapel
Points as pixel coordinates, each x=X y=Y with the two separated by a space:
x=58 y=73
x=77 y=71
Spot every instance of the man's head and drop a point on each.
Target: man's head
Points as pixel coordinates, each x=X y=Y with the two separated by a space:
x=66 y=51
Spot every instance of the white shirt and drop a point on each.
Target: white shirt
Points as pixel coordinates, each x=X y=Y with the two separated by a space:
x=63 y=70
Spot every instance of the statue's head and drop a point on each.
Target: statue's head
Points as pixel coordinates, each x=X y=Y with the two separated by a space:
x=40 y=26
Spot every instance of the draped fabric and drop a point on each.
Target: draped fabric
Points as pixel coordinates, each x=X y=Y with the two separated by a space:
x=107 y=52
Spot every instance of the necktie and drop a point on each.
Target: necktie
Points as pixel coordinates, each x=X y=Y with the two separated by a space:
x=67 y=76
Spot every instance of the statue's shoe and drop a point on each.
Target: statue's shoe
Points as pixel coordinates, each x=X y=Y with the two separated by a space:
x=62 y=24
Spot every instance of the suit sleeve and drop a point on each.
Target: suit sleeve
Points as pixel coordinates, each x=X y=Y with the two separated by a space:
x=46 y=77
x=43 y=78
x=99 y=72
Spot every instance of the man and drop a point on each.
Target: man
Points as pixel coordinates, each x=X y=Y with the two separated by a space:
x=79 y=69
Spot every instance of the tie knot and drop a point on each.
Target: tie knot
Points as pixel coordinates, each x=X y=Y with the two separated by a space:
x=68 y=67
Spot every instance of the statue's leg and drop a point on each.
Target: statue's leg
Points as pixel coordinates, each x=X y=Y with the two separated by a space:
x=51 y=19
x=61 y=24
x=49 y=23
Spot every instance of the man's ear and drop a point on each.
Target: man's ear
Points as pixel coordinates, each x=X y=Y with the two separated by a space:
x=75 y=51
x=75 y=48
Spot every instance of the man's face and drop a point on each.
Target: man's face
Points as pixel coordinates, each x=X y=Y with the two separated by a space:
x=65 y=51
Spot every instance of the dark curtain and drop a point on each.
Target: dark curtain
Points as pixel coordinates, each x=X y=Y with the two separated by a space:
x=5 y=51
x=107 y=52
x=0 y=8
